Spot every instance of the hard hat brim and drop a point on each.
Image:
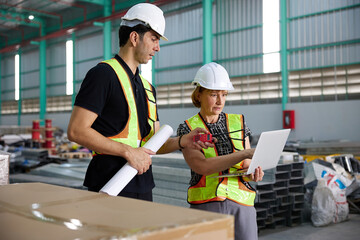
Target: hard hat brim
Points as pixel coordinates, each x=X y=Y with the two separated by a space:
x=227 y=88
x=133 y=22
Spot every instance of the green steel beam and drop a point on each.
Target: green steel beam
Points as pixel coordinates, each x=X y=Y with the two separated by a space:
x=239 y=29
x=30 y=24
x=186 y=7
x=107 y=31
x=81 y=35
x=7 y=91
x=30 y=71
x=283 y=53
x=178 y=67
x=42 y=84
x=259 y=55
x=31 y=88
x=78 y=81
x=180 y=42
x=98 y=2
x=326 y=66
x=98 y=24
x=8 y=75
x=219 y=20
x=347 y=42
x=88 y=59
x=36 y=14
x=207 y=31
x=127 y=4
x=55 y=66
x=324 y=12
x=75 y=21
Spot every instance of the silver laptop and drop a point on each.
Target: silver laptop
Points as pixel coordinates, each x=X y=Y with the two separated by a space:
x=267 y=153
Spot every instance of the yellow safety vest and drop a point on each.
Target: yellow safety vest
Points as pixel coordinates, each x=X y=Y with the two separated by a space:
x=130 y=135
x=210 y=189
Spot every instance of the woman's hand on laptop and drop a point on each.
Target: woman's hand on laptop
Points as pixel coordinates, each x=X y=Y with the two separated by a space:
x=256 y=176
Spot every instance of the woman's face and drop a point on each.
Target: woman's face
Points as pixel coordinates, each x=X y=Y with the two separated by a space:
x=212 y=101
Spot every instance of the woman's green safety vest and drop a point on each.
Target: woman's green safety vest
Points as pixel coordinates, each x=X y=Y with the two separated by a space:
x=130 y=135
x=210 y=189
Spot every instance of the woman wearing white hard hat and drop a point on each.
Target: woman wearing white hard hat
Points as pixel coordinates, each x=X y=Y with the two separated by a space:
x=232 y=153
x=115 y=111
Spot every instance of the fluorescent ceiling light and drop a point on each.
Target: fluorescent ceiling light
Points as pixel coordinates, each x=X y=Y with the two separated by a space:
x=69 y=68
x=271 y=36
x=17 y=77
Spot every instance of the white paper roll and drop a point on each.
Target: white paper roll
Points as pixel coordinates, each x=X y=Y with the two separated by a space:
x=117 y=183
x=159 y=138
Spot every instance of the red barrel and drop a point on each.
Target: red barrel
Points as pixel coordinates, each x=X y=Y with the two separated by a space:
x=49 y=143
x=49 y=133
x=36 y=124
x=35 y=135
x=48 y=123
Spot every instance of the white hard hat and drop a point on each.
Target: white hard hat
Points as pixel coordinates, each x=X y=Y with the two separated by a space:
x=213 y=76
x=147 y=14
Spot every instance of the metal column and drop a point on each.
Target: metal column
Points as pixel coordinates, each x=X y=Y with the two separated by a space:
x=284 y=52
x=42 y=74
x=107 y=31
x=207 y=31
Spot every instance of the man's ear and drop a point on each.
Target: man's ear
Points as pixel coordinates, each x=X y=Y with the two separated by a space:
x=134 y=38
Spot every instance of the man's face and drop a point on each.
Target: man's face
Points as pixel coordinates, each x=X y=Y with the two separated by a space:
x=147 y=47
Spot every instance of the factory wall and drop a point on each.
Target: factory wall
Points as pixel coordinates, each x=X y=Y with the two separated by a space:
x=236 y=45
x=320 y=121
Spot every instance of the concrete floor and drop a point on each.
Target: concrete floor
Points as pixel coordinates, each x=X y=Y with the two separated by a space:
x=347 y=230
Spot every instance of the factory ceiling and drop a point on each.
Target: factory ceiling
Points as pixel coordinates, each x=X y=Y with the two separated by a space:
x=27 y=21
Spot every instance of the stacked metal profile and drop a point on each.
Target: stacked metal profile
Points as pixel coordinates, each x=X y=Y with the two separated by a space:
x=280 y=197
x=171 y=176
x=35 y=165
x=279 y=201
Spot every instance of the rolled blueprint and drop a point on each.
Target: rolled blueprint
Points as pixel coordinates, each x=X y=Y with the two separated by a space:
x=117 y=183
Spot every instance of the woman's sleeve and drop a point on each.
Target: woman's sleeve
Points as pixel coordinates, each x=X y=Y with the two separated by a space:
x=247 y=130
x=183 y=129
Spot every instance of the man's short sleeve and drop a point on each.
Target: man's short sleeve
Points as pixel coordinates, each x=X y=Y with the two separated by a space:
x=94 y=89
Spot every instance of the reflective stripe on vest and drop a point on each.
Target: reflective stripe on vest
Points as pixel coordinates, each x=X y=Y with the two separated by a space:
x=210 y=189
x=130 y=135
x=151 y=102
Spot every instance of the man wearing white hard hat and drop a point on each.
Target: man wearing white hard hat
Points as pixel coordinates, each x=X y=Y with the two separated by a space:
x=209 y=189
x=115 y=111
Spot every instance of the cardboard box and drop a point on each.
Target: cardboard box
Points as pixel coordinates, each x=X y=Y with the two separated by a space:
x=43 y=211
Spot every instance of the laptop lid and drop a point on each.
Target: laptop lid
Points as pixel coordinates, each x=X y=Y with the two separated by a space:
x=268 y=150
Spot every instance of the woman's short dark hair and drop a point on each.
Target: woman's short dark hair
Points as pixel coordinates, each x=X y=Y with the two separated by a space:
x=124 y=32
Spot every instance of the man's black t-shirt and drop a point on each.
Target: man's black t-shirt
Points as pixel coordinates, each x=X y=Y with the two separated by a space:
x=102 y=94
